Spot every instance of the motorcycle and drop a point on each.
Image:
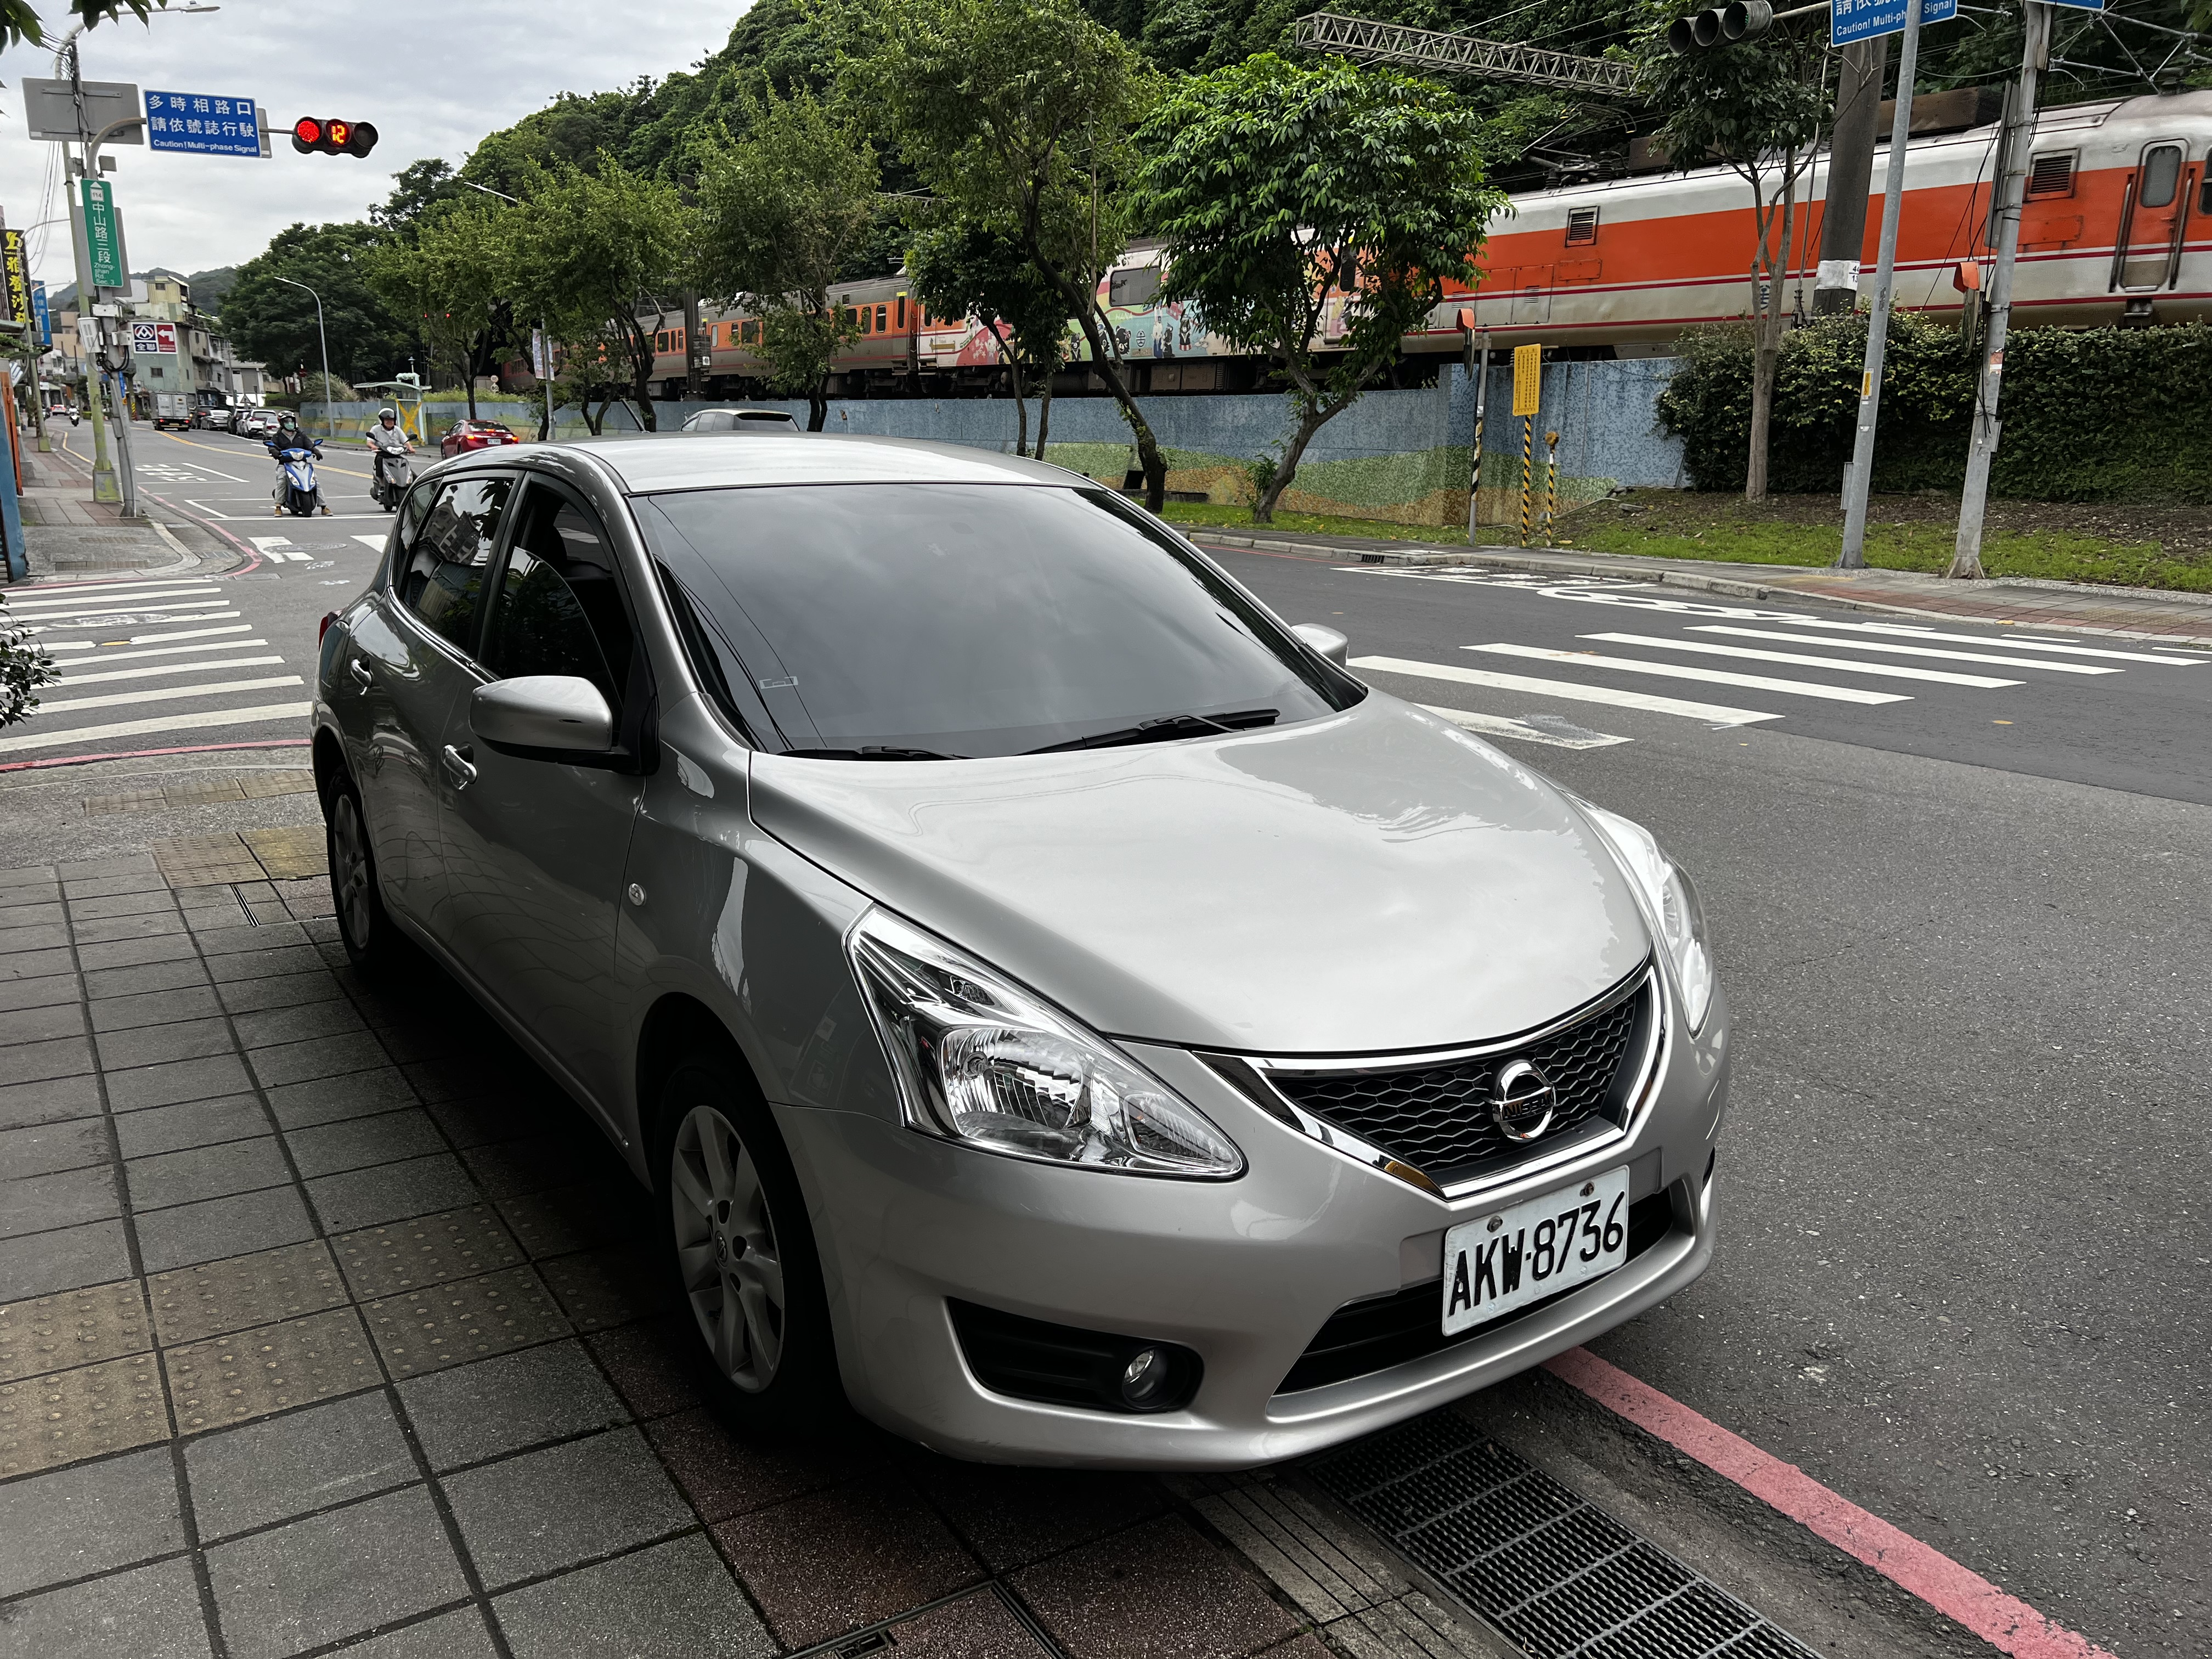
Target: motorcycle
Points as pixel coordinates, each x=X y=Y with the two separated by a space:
x=295 y=488
x=393 y=475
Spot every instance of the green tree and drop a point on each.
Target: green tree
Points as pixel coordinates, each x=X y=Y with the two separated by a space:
x=1020 y=113
x=420 y=190
x=269 y=320
x=453 y=280
x=780 y=214
x=961 y=268
x=1755 y=108
x=589 y=250
x=20 y=24
x=24 y=666
x=1279 y=185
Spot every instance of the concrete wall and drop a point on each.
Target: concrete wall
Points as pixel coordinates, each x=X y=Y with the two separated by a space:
x=1402 y=456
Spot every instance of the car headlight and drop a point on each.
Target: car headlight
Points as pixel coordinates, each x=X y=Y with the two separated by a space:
x=981 y=1061
x=1673 y=900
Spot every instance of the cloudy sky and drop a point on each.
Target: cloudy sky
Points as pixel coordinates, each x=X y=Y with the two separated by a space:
x=432 y=75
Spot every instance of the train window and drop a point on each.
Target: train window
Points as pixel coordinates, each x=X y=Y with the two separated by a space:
x=2162 y=176
x=1134 y=287
x=883 y=319
x=2205 y=187
x=900 y=318
x=2051 y=175
x=1582 y=227
x=660 y=341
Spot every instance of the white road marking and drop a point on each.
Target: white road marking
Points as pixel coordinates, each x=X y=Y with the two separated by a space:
x=1902 y=650
x=205 y=508
x=374 y=543
x=1885 y=670
x=116 y=698
x=1714 y=713
x=167 y=668
x=110 y=654
x=190 y=633
x=1498 y=726
x=111 y=590
x=121 y=608
x=276 y=711
x=1683 y=672
x=113 y=598
x=2018 y=642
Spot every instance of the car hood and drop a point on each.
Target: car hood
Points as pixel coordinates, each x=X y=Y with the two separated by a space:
x=1376 y=880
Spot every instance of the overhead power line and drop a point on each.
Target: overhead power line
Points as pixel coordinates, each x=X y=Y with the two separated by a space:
x=1462 y=54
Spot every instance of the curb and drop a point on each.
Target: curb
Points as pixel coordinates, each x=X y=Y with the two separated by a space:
x=1562 y=563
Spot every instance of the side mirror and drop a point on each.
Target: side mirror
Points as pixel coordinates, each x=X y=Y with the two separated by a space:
x=556 y=717
x=1326 y=641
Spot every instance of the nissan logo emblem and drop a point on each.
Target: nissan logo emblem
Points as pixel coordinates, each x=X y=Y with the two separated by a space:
x=1523 y=1102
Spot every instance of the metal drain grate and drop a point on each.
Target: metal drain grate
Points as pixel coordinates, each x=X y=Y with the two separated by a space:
x=1560 y=1579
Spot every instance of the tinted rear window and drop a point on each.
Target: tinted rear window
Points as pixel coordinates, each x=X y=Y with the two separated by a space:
x=966 y=619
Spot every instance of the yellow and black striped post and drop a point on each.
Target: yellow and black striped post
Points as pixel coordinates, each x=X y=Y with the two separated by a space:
x=1551 y=486
x=1528 y=474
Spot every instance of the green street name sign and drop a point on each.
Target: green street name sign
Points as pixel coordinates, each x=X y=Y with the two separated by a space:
x=103 y=236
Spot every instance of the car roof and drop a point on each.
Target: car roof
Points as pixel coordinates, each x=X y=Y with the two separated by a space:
x=708 y=461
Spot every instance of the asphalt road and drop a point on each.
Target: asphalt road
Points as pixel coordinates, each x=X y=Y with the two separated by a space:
x=1963 y=1274
x=1965 y=1262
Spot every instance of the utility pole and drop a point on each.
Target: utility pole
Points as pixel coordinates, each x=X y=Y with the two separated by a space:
x=1850 y=176
x=1477 y=368
x=104 y=486
x=1853 y=556
x=322 y=340
x=2012 y=185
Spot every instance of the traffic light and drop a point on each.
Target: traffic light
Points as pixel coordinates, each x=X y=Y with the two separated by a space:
x=312 y=133
x=1721 y=26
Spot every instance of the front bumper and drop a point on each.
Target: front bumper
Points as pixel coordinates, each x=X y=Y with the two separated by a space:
x=1245 y=1272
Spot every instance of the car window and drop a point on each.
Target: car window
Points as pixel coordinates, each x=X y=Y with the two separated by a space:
x=559 y=605
x=970 y=619
x=442 y=572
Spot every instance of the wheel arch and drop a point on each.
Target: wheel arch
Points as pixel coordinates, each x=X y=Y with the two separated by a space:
x=328 y=762
x=675 y=1024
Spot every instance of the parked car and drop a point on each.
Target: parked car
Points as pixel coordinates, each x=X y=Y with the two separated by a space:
x=463 y=437
x=741 y=420
x=258 y=423
x=211 y=417
x=1053 y=999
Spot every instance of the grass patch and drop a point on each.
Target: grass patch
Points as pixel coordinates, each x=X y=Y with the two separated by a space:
x=1196 y=513
x=1666 y=524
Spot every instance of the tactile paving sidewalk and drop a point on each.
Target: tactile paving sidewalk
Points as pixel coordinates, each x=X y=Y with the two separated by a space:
x=327 y=1323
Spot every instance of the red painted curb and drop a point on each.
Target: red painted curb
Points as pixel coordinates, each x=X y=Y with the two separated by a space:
x=144 y=754
x=1960 y=1594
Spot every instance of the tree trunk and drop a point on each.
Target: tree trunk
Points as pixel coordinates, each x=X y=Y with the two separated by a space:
x=1044 y=413
x=1764 y=357
x=1085 y=309
x=468 y=381
x=1309 y=421
x=1021 y=404
x=817 y=404
x=593 y=421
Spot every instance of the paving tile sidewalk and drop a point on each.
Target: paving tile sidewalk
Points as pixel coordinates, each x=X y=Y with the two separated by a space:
x=327 y=1323
x=2081 y=608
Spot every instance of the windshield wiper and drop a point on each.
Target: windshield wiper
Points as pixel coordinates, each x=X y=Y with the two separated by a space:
x=873 y=752
x=1164 y=729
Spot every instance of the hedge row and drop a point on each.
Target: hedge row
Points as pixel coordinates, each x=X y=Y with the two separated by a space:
x=2090 y=415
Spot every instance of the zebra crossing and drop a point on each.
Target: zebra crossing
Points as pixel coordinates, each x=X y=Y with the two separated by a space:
x=1865 y=665
x=177 y=655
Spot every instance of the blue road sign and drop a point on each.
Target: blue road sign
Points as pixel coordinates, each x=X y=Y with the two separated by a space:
x=2081 y=5
x=39 y=315
x=201 y=123
x=1851 y=22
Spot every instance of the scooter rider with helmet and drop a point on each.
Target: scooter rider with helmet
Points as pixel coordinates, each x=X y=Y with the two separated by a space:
x=288 y=436
x=388 y=438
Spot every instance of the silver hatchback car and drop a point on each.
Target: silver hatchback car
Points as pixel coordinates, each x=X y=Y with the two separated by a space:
x=1058 y=1006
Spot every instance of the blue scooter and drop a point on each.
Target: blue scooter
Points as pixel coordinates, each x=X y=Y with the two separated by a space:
x=295 y=491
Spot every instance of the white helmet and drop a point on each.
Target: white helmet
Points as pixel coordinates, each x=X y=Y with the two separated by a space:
x=387 y=414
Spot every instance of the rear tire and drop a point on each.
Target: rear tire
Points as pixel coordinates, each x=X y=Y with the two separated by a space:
x=742 y=1250
x=372 y=943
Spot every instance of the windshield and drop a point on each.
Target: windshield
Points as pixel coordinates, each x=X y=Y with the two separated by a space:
x=923 y=621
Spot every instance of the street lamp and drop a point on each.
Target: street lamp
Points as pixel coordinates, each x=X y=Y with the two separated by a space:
x=547 y=379
x=323 y=340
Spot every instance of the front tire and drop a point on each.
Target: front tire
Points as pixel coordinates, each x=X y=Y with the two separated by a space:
x=742 y=1252
x=371 y=942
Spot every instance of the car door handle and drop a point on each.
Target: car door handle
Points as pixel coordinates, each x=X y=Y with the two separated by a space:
x=360 y=672
x=457 y=767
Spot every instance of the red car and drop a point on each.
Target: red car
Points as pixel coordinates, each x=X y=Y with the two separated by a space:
x=464 y=436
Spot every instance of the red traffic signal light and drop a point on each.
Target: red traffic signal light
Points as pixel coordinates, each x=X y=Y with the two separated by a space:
x=332 y=137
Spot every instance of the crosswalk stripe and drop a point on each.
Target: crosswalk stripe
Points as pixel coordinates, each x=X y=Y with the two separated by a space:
x=107 y=655
x=2017 y=642
x=1712 y=713
x=120 y=608
x=79 y=604
x=1498 y=725
x=1905 y=650
x=274 y=711
x=113 y=698
x=68 y=625
x=191 y=633
x=1886 y=669
x=46 y=594
x=1674 y=670
x=168 y=668
x=374 y=543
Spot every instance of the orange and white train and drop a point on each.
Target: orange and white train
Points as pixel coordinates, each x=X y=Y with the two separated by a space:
x=2116 y=229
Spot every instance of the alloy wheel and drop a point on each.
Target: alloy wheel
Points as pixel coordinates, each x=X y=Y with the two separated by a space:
x=350 y=871
x=727 y=1249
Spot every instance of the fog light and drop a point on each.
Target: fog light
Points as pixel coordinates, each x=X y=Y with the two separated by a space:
x=1145 y=1377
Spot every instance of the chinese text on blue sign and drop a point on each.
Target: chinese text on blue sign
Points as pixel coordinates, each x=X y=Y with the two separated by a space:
x=201 y=123
x=1851 y=22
